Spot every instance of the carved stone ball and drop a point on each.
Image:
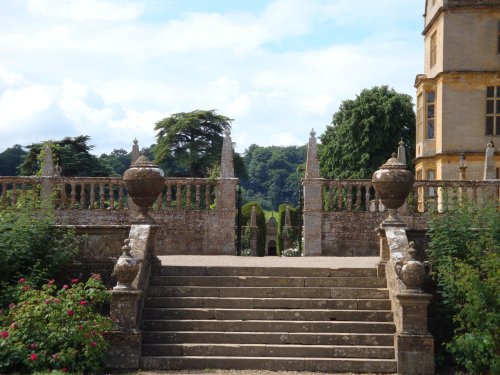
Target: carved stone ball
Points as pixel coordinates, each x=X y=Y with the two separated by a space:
x=393 y=182
x=144 y=181
x=126 y=268
x=412 y=272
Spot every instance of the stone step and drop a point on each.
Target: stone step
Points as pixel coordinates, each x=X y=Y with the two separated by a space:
x=267 y=292
x=269 y=281
x=268 y=326
x=267 y=350
x=266 y=271
x=269 y=303
x=302 y=338
x=328 y=365
x=267 y=314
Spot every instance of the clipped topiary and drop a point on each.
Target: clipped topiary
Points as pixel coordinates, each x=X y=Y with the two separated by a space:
x=246 y=212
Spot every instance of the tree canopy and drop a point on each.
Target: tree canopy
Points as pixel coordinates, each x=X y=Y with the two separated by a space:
x=72 y=154
x=10 y=159
x=118 y=160
x=365 y=131
x=273 y=175
x=190 y=143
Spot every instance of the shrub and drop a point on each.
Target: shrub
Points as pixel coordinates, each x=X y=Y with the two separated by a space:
x=246 y=212
x=292 y=234
x=55 y=329
x=31 y=247
x=465 y=254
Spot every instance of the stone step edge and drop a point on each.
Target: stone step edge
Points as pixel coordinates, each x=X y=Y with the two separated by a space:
x=270 y=321
x=320 y=346
x=260 y=309
x=276 y=333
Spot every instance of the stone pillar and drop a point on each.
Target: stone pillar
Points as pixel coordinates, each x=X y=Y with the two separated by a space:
x=462 y=168
x=287 y=240
x=491 y=192
x=254 y=232
x=313 y=201
x=402 y=152
x=48 y=171
x=226 y=200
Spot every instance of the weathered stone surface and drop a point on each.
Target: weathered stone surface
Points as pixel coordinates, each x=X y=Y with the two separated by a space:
x=124 y=350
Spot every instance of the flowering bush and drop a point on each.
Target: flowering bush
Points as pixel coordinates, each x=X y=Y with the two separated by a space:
x=51 y=328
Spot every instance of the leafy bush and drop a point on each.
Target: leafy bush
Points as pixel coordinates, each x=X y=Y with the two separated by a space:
x=31 y=247
x=292 y=234
x=465 y=254
x=55 y=329
x=246 y=212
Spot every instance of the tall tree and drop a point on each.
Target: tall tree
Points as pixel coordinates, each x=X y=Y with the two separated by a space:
x=190 y=143
x=118 y=160
x=10 y=159
x=365 y=131
x=72 y=154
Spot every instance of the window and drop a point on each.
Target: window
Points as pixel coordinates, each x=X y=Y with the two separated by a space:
x=431 y=98
x=431 y=176
x=420 y=117
x=493 y=110
x=433 y=49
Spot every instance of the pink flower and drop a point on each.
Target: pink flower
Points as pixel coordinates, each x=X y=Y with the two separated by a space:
x=47 y=301
x=65 y=286
x=33 y=356
x=80 y=327
x=74 y=281
x=55 y=357
x=87 y=335
x=4 y=334
x=51 y=282
x=26 y=288
x=57 y=300
x=93 y=343
x=70 y=312
x=22 y=280
x=83 y=303
x=11 y=305
x=33 y=346
x=95 y=276
x=14 y=326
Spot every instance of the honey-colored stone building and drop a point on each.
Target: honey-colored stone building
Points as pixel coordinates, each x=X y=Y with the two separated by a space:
x=458 y=96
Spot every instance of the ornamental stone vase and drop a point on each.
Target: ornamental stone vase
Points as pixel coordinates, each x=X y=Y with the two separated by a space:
x=126 y=269
x=144 y=180
x=412 y=272
x=393 y=182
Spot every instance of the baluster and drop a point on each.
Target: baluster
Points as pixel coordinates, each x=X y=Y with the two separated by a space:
x=208 y=187
x=92 y=195
x=415 y=198
x=340 y=191
x=4 y=194
x=64 y=196
x=358 y=198
x=102 y=195
x=330 y=206
x=474 y=194
x=121 y=195
x=426 y=199
x=349 y=198
x=83 y=195
x=23 y=192
x=169 y=195
x=111 y=195
x=178 y=196
x=197 y=196
x=73 y=194
x=159 y=200
x=14 y=193
x=188 y=196
x=367 y=198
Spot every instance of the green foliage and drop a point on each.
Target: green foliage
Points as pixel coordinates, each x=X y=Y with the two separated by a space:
x=364 y=133
x=10 y=159
x=72 y=154
x=465 y=254
x=31 y=247
x=246 y=212
x=294 y=218
x=118 y=160
x=60 y=329
x=190 y=143
x=273 y=175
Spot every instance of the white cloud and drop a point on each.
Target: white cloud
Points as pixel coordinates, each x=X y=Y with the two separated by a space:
x=22 y=104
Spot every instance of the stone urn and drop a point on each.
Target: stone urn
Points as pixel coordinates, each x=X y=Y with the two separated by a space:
x=144 y=180
x=126 y=269
x=393 y=182
x=412 y=272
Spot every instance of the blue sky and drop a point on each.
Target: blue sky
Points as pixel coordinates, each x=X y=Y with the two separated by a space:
x=110 y=69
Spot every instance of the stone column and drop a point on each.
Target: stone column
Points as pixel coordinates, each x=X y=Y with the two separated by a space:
x=48 y=171
x=491 y=192
x=226 y=199
x=287 y=240
x=313 y=201
x=254 y=232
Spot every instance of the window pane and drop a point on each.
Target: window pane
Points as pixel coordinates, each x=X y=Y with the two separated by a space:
x=489 y=106
x=498 y=106
x=490 y=92
x=498 y=91
x=430 y=129
x=498 y=48
x=430 y=97
x=498 y=126
x=489 y=125
x=430 y=111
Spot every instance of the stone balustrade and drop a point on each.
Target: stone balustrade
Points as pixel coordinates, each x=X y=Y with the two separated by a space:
x=104 y=192
x=353 y=195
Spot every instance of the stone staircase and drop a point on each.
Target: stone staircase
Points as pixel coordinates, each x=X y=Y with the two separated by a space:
x=302 y=319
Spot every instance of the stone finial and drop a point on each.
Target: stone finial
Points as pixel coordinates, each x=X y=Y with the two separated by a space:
x=57 y=170
x=312 y=163
x=462 y=168
x=402 y=152
x=412 y=272
x=288 y=221
x=489 y=162
x=253 y=217
x=135 y=151
x=48 y=162
x=226 y=163
x=126 y=268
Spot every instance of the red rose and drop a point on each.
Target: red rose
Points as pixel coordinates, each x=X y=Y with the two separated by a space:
x=64 y=369
x=22 y=280
x=65 y=286
x=93 y=343
x=11 y=305
x=57 y=300
x=83 y=303
x=74 y=281
x=33 y=356
x=4 y=334
x=33 y=346
x=70 y=312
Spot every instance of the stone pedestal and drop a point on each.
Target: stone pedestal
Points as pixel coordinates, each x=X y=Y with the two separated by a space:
x=226 y=207
x=125 y=308
x=313 y=216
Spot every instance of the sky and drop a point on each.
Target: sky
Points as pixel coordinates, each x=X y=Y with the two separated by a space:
x=111 y=69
